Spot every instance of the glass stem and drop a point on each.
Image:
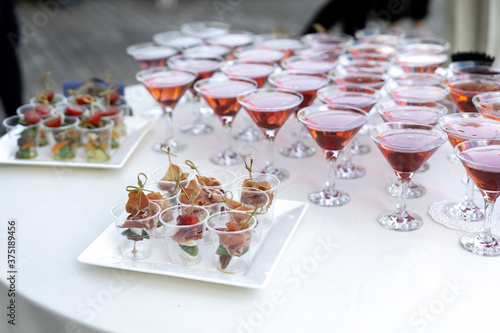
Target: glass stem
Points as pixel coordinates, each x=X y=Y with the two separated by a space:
x=229 y=141
x=403 y=190
x=346 y=154
x=331 y=162
x=169 y=125
x=469 y=194
x=485 y=234
x=197 y=108
x=270 y=152
x=297 y=128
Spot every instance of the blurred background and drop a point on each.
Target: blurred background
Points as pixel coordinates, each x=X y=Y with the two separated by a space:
x=75 y=39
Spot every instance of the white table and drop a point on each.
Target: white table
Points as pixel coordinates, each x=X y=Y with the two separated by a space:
x=342 y=272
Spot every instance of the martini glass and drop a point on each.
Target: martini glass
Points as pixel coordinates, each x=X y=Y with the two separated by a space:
x=331 y=127
x=412 y=62
x=149 y=55
x=367 y=80
x=309 y=53
x=255 y=71
x=232 y=40
x=488 y=104
x=416 y=93
x=463 y=127
x=358 y=97
x=176 y=39
x=257 y=55
x=406 y=147
x=360 y=64
x=205 y=29
x=426 y=45
x=327 y=42
x=218 y=50
x=374 y=36
x=220 y=94
x=474 y=67
x=463 y=87
x=319 y=66
x=480 y=159
x=372 y=51
x=403 y=111
x=287 y=45
x=205 y=64
x=269 y=109
x=419 y=79
x=167 y=86
x=306 y=84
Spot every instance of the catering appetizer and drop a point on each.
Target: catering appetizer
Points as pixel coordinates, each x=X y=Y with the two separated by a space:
x=96 y=136
x=167 y=182
x=139 y=222
x=24 y=134
x=62 y=135
x=251 y=183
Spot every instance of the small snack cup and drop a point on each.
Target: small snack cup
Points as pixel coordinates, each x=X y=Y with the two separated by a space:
x=23 y=138
x=136 y=232
x=57 y=100
x=264 y=182
x=184 y=231
x=117 y=114
x=168 y=186
x=68 y=109
x=96 y=142
x=248 y=199
x=62 y=139
x=231 y=235
x=216 y=179
x=154 y=195
x=41 y=111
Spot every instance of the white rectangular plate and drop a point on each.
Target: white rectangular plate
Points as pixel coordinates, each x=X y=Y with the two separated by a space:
x=137 y=128
x=104 y=251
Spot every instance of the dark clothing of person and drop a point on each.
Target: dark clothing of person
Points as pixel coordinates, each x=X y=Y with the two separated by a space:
x=10 y=80
x=352 y=14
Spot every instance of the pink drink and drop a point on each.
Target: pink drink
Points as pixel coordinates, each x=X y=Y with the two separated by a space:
x=483 y=167
x=370 y=51
x=426 y=115
x=406 y=150
x=309 y=65
x=260 y=108
x=232 y=40
x=333 y=129
x=425 y=48
x=490 y=108
x=367 y=66
x=283 y=44
x=464 y=89
x=267 y=56
x=306 y=84
x=381 y=39
x=462 y=129
x=315 y=54
x=372 y=81
x=153 y=56
x=418 y=94
x=221 y=96
x=419 y=79
x=420 y=62
x=258 y=72
x=361 y=101
x=167 y=89
x=217 y=50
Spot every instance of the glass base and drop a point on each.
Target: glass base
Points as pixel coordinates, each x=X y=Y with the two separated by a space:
x=360 y=150
x=175 y=146
x=282 y=174
x=349 y=171
x=141 y=251
x=478 y=244
x=226 y=158
x=400 y=222
x=322 y=198
x=196 y=128
x=297 y=150
x=424 y=167
x=414 y=190
x=249 y=134
x=453 y=158
x=464 y=211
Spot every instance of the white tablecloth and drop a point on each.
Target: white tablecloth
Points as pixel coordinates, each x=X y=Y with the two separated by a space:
x=342 y=272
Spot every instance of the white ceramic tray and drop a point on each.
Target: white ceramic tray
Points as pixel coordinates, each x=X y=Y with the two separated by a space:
x=104 y=251
x=137 y=128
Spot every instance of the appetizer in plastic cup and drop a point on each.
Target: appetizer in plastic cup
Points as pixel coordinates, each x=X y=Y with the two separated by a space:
x=264 y=182
x=96 y=140
x=136 y=232
x=248 y=199
x=161 y=199
x=184 y=232
x=215 y=180
x=62 y=136
x=117 y=114
x=23 y=137
x=231 y=235
x=165 y=178
x=33 y=113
